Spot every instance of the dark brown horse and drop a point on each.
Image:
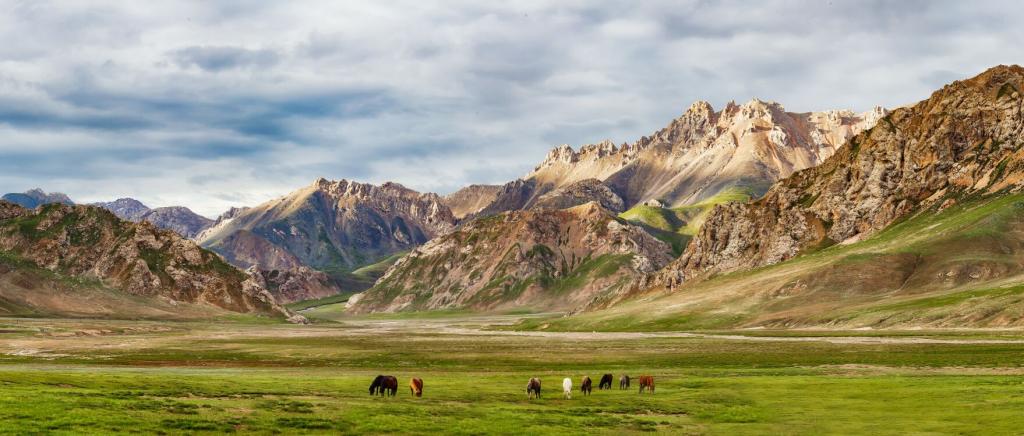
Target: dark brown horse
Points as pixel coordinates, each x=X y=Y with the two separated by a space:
x=624 y=382
x=533 y=388
x=389 y=386
x=606 y=381
x=416 y=386
x=586 y=385
x=646 y=381
x=384 y=385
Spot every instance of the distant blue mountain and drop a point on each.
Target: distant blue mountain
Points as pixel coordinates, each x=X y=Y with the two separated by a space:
x=35 y=197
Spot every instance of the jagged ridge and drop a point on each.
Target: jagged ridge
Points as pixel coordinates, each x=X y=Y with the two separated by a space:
x=965 y=140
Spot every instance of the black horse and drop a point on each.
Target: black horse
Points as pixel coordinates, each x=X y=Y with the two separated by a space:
x=606 y=382
x=384 y=385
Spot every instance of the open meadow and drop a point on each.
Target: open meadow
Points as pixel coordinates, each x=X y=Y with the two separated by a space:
x=88 y=376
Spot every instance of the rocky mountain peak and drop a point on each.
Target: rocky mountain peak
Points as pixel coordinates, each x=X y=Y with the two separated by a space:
x=125 y=208
x=330 y=225
x=700 y=109
x=965 y=139
x=179 y=219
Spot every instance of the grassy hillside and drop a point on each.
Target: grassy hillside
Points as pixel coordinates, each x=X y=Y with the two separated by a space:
x=960 y=267
x=676 y=226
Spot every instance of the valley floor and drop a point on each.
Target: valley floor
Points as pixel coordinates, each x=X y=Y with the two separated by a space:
x=83 y=376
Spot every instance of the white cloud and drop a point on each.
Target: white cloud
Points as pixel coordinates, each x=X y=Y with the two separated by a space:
x=215 y=104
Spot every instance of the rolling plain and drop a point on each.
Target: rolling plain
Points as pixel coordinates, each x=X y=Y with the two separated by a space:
x=98 y=376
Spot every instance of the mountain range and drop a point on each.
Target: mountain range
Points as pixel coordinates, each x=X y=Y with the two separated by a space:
x=845 y=209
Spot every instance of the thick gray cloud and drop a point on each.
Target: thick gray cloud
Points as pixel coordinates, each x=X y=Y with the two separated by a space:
x=216 y=104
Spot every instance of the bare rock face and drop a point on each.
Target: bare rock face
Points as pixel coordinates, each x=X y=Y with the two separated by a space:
x=546 y=259
x=136 y=258
x=332 y=225
x=296 y=284
x=966 y=139
x=696 y=156
x=515 y=195
x=581 y=192
x=471 y=199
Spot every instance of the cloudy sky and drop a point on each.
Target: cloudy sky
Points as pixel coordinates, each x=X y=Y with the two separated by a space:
x=218 y=104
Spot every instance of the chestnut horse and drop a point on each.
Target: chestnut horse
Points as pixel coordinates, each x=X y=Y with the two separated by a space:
x=533 y=388
x=646 y=381
x=606 y=382
x=586 y=385
x=624 y=382
x=416 y=386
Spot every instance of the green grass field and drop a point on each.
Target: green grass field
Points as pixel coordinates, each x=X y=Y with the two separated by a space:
x=103 y=377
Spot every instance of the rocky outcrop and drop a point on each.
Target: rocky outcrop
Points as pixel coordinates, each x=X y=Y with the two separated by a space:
x=965 y=140
x=581 y=192
x=296 y=284
x=471 y=199
x=542 y=259
x=330 y=226
x=136 y=258
x=36 y=197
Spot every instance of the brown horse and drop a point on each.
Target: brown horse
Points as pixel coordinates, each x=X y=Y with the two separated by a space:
x=388 y=385
x=624 y=382
x=646 y=381
x=416 y=386
x=586 y=385
x=533 y=388
x=606 y=381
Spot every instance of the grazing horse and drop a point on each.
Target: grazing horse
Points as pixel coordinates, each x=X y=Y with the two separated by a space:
x=646 y=381
x=533 y=388
x=416 y=386
x=586 y=385
x=567 y=388
x=375 y=386
x=388 y=386
x=606 y=382
x=624 y=382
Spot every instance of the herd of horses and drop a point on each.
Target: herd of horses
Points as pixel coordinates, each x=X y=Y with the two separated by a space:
x=587 y=385
x=387 y=385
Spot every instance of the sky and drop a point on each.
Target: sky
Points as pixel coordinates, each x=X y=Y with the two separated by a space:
x=231 y=103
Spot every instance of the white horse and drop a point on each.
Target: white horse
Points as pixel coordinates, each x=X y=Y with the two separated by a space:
x=567 y=388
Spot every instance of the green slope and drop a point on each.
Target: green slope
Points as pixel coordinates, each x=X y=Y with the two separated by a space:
x=351 y=282
x=676 y=226
x=960 y=267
